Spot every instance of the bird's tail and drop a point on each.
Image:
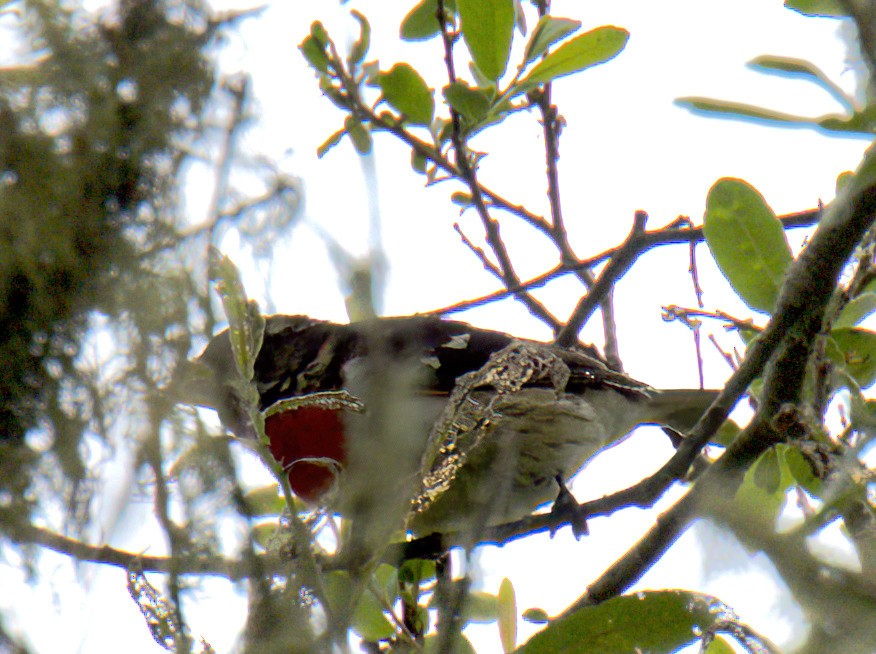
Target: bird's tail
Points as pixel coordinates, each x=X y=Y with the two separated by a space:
x=680 y=408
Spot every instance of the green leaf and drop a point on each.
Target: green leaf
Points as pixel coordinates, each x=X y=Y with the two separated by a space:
x=369 y=621
x=536 y=616
x=481 y=607
x=360 y=47
x=719 y=646
x=857 y=353
x=803 y=69
x=246 y=325
x=487 y=27
x=407 y=93
x=754 y=500
x=507 y=608
x=263 y=533
x=801 y=469
x=359 y=134
x=472 y=103
x=330 y=142
x=747 y=241
x=548 y=31
x=461 y=645
x=767 y=472
x=264 y=501
x=421 y=22
x=584 y=51
x=462 y=199
x=822 y=8
x=649 y=621
x=386 y=579
x=856 y=310
x=418 y=162
x=315 y=54
x=726 y=433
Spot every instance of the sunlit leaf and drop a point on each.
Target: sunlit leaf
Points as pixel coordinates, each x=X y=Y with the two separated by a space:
x=584 y=51
x=246 y=325
x=830 y=8
x=487 y=27
x=360 y=47
x=507 y=609
x=747 y=241
x=803 y=69
x=421 y=22
x=315 y=54
x=359 y=134
x=649 y=621
x=548 y=31
x=719 y=646
x=407 y=93
x=472 y=103
x=536 y=616
x=264 y=501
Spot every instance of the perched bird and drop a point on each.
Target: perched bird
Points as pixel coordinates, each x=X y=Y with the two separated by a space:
x=486 y=427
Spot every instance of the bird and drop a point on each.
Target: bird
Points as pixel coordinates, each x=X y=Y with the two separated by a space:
x=486 y=427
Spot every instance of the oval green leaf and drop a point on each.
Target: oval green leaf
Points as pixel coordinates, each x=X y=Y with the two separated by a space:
x=856 y=310
x=548 y=31
x=487 y=27
x=857 y=353
x=407 y=93
x=589 y=49
x=421 y=22
x=649 y=621
x=747 y=241
x=507 y=606
x=472 y=103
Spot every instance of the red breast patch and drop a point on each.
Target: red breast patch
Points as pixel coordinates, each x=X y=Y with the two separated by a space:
x=309 y=444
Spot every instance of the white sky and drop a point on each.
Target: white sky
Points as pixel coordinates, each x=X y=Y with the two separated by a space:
x=625 y=147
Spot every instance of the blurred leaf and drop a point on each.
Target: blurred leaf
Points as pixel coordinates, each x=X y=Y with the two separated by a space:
x=421 y=22
x=461 y=645
x=803 y=69
x=359 y=134
x=648 y=621
x=369 y=621
x=719 y=646
x=472 y=103
x=548 y=31
x=386 y=578
x=407 y=93
x=767 y=472
x=246 y=325
x=330 y=142
x=487 y=27
x=858 y=123
x=264 y=501
x=315 y=54
x=262 y=533
x=519 y=17
x=360 y=47
x=726 y=433
x=761 y=497
x=536 y=616
x=416 y=571
x=801 y=470
x=461 y=199
x=823 y=8
x=507 y=614
x=481 y=607
x=857 y=353
x=856 y=310
x=418 y=162
x=585 y=50
x=747 y=241
x=843 y=179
